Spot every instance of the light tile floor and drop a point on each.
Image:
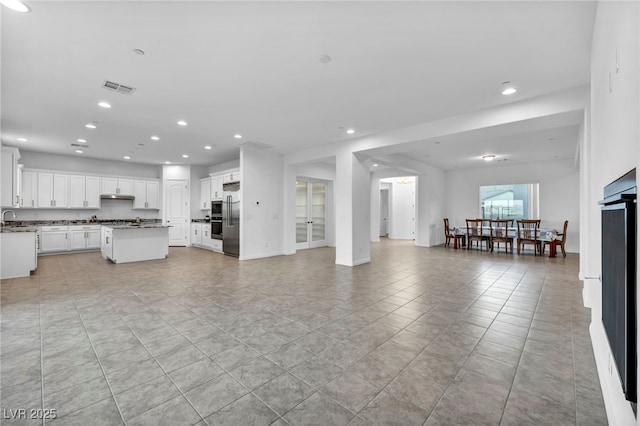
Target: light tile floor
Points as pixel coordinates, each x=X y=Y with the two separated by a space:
x=419 y=336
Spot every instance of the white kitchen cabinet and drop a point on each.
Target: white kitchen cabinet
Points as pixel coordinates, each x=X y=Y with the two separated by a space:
x=84 y=237
x=205 y=194
x=9 y=190
x=113 y=185
x=146 y=194
x=216 y=245
x=84 y=192
x=19 y=254
x=196 y=234
x=52 y=190
x=54 y=239
x=106 y=242
x=216 y=187
x=206 y=236
x=28 y=189
x=231 y=177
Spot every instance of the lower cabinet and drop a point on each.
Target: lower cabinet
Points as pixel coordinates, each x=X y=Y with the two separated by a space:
x=54 y=239
x=84 y=237
x=201 y=237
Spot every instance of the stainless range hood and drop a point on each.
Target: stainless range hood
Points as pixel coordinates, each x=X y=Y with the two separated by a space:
x=116 y=197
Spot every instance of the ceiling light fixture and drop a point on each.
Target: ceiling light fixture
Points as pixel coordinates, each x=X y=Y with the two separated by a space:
x=207 y=147
x=508 y=88
x=237 y=136
x=91 y=126
x=126 y=157
x=488 y=157
x=138 y=52
x=155 y=138
x=167 y=162
x=185 y=156
x=104 y=104
x=16 y=5
x=82 y=140
x=79 y=151
x=22 y=140
x=350 y=131
x=374 y=165
x=325 y=59
x=182 y=123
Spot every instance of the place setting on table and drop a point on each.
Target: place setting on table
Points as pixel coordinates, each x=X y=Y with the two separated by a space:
x=491 y=232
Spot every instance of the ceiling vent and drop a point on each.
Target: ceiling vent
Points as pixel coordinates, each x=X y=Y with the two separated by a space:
x=256 y=145
x=116 y=87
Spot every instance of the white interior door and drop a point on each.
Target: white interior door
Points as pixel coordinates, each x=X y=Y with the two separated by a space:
x=311 y=214
x=384 y=212
x=177 y=208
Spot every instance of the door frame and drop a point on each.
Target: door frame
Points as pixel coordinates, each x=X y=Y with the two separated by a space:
x=186 y=211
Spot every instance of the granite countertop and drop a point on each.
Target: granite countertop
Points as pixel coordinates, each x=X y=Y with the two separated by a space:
x=134 y=226
x=8 y=229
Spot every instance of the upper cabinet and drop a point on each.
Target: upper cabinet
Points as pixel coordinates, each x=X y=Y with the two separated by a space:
x=146 y=194
x=29 y=190
x=53 y=190
x=10 y=189
x=231 y=177
x=84 y=192
x=205 y=194
x=120 y=186
x=216 y=188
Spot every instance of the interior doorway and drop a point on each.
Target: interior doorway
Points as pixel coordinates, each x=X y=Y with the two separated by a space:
x=311 y=214
x=177 y=211
x=384 y=212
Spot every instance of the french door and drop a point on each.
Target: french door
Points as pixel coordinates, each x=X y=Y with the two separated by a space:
x=311 y=213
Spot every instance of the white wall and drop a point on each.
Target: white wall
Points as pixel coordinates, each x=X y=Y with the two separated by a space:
x=261 y=203
x=430 y=207
x=197 y=173
x=222 y=167
x=402 y=200
x=612 y=149
x=559 y=193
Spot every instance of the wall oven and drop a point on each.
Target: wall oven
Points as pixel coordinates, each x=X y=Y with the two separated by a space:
x=216 y=220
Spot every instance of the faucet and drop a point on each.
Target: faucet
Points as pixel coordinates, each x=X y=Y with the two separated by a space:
x=3 y=213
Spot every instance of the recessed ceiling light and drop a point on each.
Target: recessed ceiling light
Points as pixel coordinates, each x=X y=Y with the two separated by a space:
x=138 y=52
x=437 y=142
x=508 y=88
x=155 y=138
x=104 y=104
x=325 y=59
x=185 y=156
x=16 y=5
x=167 y=162
x=207 y=147
x=350 y=131
x=237 y=136
x=488 y=157
x=182 y=123
x=82 y=140
x=126 y=157
x=91 y=126
x=79 y=151
x=140 y=144
x=374 y=165
x=22 y=140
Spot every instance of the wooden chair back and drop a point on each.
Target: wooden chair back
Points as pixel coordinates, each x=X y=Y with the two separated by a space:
x=528 y=229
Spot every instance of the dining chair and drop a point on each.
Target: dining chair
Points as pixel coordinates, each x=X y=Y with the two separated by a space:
x=474 y=233
x=449 y=234
x=528 y=231
x=559 y=242
x=500 y=233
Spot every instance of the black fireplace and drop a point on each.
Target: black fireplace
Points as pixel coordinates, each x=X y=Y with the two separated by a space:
x=619 y=277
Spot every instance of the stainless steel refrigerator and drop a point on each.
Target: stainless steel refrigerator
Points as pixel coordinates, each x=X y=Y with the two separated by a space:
x=231 y=219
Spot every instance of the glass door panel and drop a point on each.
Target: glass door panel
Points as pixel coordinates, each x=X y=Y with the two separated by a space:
x=302 y=215
x=318 y=211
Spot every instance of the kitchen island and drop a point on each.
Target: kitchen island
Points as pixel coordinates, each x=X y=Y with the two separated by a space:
x=18 y=251
x=134 y=242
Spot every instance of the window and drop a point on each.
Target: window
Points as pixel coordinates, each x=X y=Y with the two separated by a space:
x=516 y=201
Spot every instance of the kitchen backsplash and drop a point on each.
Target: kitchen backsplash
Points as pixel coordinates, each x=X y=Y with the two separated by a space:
x=111 y=209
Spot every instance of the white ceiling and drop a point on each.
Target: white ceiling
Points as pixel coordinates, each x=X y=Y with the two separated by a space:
x=254 y=68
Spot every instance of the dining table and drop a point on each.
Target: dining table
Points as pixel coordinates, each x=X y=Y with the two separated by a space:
x=549 y=235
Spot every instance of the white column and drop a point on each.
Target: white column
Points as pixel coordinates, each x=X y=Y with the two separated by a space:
x=430 y=208
x=289 y=210
x=353 y=177
x=374 y=226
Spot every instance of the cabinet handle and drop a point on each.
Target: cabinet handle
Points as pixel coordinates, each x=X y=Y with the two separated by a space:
x=117 y=190
x=107 y=240
x=196 y=231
